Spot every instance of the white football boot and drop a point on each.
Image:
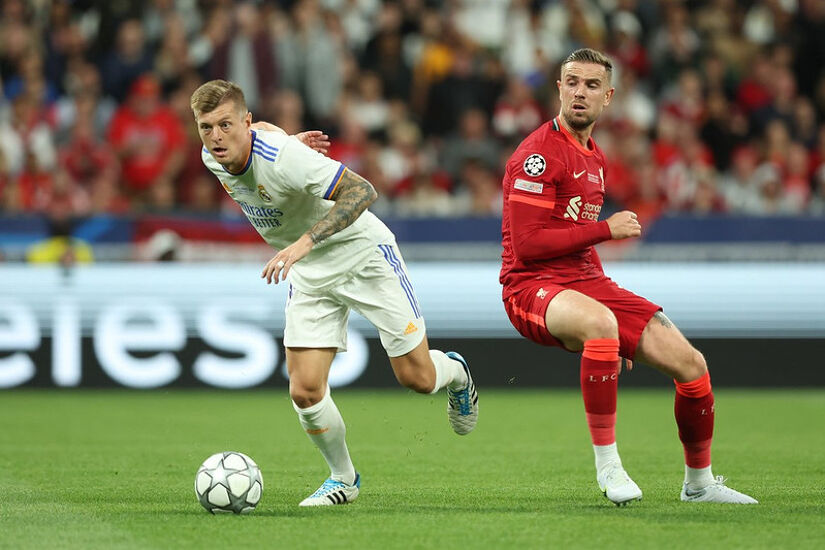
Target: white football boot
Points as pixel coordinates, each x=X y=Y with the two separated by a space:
x=617 y=485
x=716 y=492
x=333 y=492
x=462 y=405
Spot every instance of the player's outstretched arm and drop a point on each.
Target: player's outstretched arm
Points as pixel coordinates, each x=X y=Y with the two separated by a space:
x=352 y=196
x=314 y=139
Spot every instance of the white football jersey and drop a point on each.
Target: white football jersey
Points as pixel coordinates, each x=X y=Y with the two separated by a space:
x=284 y=190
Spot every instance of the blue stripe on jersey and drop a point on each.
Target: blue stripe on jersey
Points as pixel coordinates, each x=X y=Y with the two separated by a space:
x=267 y=147
x=262 y=154
x=205 y=150
x=335 y=181
x=392 y=259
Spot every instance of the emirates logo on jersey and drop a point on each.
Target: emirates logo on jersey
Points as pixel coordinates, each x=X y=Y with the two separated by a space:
x=534 y=165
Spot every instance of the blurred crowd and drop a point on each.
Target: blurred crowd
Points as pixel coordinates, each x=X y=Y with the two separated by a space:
x=719 y=105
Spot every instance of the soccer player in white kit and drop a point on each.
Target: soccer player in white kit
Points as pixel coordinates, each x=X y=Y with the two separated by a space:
x=339 y=256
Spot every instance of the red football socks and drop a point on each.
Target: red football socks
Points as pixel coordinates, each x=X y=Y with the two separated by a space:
x=694 y=417
x=599 y=381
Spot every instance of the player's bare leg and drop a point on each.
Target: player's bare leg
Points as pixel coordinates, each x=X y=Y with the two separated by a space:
x=664 y=347
x=427 y=370
x=582 y=323
x=308 y=374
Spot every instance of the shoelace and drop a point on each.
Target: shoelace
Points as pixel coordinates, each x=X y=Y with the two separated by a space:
x=617 y=473
x=328 y=486
x=720 y=480
x=462 y=398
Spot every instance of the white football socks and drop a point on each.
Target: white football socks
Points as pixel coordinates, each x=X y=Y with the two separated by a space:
x=325 y=427
x=698 y=478
x=448 y=372
x=605 y=454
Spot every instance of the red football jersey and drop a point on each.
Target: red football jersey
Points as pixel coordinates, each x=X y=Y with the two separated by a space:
x=553 y=194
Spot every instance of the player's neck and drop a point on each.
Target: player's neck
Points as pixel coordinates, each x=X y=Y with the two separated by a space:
x=240 y=168
x=582 y=136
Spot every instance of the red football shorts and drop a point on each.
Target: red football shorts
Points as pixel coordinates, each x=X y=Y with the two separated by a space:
x=527 y=307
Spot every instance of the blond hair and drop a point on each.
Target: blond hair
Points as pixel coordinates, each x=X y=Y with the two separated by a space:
x=587 y=55
x=215 y=92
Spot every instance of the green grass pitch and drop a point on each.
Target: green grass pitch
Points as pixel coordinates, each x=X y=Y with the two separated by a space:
x=115 y=469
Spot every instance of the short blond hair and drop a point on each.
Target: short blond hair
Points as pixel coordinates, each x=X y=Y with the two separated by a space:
x=587 y=55
x=215 y=92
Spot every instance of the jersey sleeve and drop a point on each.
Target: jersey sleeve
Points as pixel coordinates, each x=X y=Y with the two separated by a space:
x=532 y=199
x=304 y=170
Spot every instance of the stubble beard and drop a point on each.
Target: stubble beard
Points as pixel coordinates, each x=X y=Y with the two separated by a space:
x=579 y=123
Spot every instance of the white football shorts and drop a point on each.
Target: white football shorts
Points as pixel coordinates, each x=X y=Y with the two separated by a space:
x=380 y=291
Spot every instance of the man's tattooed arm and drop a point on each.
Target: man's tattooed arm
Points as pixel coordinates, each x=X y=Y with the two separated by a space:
x=662 y=318
x=353 y=195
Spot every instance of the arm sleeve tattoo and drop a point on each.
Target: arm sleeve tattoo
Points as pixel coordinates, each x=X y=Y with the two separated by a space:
x=663 y=319
x=353 y=195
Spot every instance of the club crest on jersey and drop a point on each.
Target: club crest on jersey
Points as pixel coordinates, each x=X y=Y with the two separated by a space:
x=226 y=186
x=266 y=197
x=534 y=165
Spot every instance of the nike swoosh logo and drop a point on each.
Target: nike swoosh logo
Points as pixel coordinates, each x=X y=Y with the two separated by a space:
x=580 y=174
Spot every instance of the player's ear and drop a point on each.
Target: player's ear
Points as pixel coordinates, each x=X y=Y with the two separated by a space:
x=247 y=120
x=608 y=96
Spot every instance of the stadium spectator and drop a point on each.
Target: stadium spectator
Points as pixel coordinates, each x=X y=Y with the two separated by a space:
x=84 y=98
x=471 y=140
x=309 y=60
x=384 y=54
x=740 y=186
x=246 y=54
x=172 y=61
x=367 y=104
x=148 y=139
x=817 y=202
x=90 y=163
x=425 y=197
x=516 y=113
x=478 y=189
x=464 y=88
x=673 y=46
x=24 y=132
x=130 y=59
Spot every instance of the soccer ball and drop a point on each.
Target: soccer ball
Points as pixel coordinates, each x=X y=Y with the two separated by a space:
x=229 y=482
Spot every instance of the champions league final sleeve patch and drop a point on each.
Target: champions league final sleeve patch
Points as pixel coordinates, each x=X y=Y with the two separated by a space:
x=534 y=165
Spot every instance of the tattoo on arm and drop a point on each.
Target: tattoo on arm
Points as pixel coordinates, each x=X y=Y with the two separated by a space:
x=353 y=195
x=663 y=319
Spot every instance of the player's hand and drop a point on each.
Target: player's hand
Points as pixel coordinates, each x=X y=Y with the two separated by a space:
x=315 y=139
x=624 y=225
x=277 y=268
x=628 y=365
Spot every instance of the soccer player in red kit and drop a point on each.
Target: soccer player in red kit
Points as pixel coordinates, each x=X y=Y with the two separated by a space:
x=556 y=293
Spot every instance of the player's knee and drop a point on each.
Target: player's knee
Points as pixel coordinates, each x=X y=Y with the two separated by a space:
x=601 y=325
x=305 y=396
x=696 y=365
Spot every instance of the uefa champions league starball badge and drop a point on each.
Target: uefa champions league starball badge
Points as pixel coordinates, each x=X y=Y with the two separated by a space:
x=534 y=165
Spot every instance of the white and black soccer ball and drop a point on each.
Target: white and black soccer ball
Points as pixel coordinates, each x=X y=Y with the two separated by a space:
x=229 y=482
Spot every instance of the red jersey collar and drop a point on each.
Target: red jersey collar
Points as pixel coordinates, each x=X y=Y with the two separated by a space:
x=591 y=145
